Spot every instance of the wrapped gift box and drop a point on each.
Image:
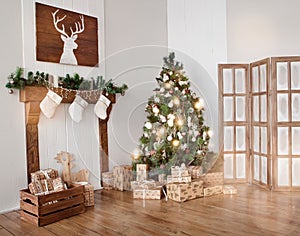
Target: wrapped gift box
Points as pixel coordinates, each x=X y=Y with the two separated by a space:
x=181 y=192
x=154 y=193
x=122 y=177
x=209 y=191
x=46 y=186
x=178 y=179
x=89 y=195
x=44 y=174
x=213 y=179
x=107 y=180
x=195 y=171
x=144 y=184
x=141 y=172
x=178 y=171
x=229 y=189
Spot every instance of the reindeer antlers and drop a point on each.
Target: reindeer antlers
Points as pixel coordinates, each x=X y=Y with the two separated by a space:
x=79 y=28
x=56 y=21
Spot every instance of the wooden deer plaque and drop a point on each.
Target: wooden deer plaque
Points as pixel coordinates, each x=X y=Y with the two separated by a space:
x=66 y=37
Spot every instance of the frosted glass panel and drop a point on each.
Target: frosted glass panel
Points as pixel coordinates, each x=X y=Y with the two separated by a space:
x=240 y=138
x=240 y=166
x=256 y=167
x=282 y=140
x=255 y=108
x=228 y=166
x=282 y=82
x=263 y=78
x=295 y=73
x=228 y=109
x=240 y=109
x=255 y=79
x=227 y=81
x=256 y=138
x=228 y=138
x=283 y=172
x=295 y=107
x=282 y=107
x=263 y=108
x=263 y=139
x=263 y=169
x=296 y=141
x=296 y=172
x=240 y=81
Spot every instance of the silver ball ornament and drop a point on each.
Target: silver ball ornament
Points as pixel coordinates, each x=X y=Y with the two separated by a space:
x=10 y=91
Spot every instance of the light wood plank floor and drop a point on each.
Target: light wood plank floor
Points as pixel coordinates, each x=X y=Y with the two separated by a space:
x=253 y=211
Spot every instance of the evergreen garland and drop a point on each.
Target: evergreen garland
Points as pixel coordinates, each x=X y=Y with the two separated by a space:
x=75 y=82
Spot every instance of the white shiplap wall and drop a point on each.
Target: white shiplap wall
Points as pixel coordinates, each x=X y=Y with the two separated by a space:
x=61 y=133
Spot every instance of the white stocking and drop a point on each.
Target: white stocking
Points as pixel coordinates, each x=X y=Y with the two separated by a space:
x=50 y=103
x=77 y=107
x=101 y=106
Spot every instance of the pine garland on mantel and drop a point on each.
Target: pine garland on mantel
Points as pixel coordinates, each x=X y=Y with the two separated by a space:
x=75 y=82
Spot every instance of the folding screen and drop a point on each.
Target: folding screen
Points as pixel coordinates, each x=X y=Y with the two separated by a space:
x=260 y=122
x=234 y=137
x=286 y=123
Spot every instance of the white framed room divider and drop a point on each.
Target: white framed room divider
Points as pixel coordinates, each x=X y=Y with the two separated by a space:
x=259 y=105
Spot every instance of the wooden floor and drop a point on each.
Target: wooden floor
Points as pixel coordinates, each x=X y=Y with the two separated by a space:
x=253 y=211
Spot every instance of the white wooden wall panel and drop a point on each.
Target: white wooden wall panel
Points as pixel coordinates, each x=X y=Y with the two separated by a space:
x=60 y=133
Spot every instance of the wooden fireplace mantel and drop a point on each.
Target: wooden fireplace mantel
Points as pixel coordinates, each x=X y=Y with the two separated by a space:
x=32 y=97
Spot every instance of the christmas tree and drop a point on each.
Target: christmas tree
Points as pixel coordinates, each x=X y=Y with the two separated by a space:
x=174 y=132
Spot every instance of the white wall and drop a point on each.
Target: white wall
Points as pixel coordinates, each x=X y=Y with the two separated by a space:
x=136 y=42
x=257 y=29
x=12 y=143
x=197 y=32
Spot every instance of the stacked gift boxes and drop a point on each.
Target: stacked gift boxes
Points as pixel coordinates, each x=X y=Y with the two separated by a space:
x=180 y=186
x=45 y=182
x=213 y=183
x=122 y=176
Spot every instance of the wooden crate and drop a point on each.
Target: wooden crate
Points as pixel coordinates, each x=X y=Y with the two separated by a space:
x=47 y=209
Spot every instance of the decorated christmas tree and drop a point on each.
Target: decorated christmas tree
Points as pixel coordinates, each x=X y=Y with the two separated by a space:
x=174 y=132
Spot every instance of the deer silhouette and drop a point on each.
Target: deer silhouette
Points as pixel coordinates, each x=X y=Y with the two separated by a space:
x=68 y=56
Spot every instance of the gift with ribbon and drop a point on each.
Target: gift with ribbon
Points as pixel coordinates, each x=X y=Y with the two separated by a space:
x=179 y=170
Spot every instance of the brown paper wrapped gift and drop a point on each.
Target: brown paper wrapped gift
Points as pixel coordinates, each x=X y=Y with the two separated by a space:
x=178 y=179
x=122 y=177
x=181 y=192
x=144 y=184
x=178 y=171
x=209 y=191
x=44 y=174
x=141 y=172
x=229 y=189
x=195 y=171
x=213 y=179
x=153 y=193
x=107 y=180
